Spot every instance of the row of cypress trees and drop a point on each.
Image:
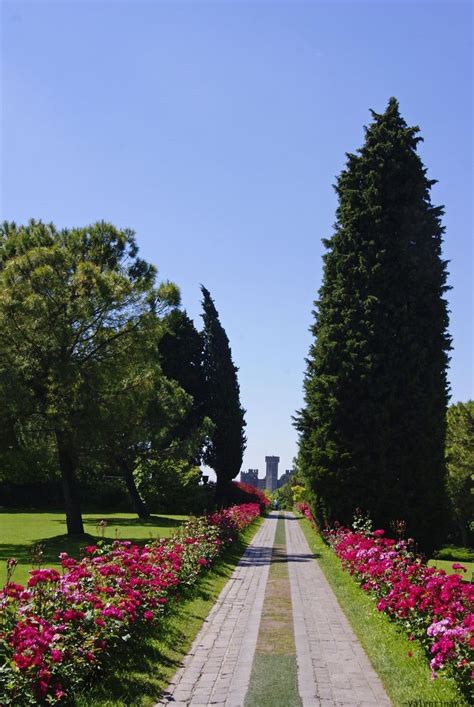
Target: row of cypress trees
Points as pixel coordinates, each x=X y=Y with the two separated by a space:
x=372 y=428
x=202 y=363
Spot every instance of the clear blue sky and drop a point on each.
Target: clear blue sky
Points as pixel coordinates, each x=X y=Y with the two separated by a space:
x=216 y=131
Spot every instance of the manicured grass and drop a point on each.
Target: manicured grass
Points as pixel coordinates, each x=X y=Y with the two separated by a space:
x=143 y=670
x=274 y=676
x=274 y=683
x=20 y=532
x=447 y=566
x=405 y=678
x=450 y=554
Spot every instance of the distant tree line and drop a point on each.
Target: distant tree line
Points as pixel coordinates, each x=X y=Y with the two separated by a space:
x=373 y=426
x=103 y=376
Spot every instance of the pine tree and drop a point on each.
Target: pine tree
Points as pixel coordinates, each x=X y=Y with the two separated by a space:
x=225 y=451
x=71 y=301
x=373 y=427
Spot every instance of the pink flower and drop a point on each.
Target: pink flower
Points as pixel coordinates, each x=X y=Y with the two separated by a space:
x=457 y=566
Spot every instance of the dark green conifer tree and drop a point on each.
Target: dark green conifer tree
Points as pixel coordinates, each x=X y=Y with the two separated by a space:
x=181 y=357
x=225 y=450
x=372 y=430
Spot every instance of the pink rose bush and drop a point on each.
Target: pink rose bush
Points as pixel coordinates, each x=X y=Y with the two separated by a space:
x=433 y=607
x=240 y=492
x=305 y=510
x=59 y=631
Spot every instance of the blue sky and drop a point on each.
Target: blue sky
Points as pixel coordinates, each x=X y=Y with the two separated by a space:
x=216 y=131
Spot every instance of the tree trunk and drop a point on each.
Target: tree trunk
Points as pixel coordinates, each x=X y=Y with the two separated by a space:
x=138 y=505
x=463 y=533
x=67 y=467
x=221 y=491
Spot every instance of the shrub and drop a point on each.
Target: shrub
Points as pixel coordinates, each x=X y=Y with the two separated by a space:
x=241 y=493
x=305 y=510
x=431 y=606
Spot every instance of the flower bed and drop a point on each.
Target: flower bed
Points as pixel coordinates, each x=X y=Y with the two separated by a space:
x=61 y=629
x=431 y=606
x=239 y=492
x=305 y=511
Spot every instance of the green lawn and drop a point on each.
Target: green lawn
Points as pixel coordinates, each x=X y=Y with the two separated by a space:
x=142 y=668
x=447 y=566
x=20 y=532
x=402 y=665
x=450 y=554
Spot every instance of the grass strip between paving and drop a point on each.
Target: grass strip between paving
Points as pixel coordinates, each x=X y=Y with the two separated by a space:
x=273 y=680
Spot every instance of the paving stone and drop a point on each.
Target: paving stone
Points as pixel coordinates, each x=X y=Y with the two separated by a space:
x=338 y=665
x=324 y=693
x=333 y=669
x=217 y=668
x=182 y=696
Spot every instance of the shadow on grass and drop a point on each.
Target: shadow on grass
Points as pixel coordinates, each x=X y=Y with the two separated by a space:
x=151 y=522
x=139 y=668
x=74 y=546
x=53 y=546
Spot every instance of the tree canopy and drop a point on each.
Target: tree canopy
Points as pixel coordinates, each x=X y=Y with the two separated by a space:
x=181 y=351
x=72 y=302
x=227 y=443
x=373 y=425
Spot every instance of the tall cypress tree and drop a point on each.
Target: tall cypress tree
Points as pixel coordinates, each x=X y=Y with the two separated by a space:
x=373 y=427
x=225 y=451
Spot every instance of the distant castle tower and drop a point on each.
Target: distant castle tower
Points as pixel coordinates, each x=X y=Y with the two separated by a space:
x=250 y=477
x=271 y=479
x=286 y=477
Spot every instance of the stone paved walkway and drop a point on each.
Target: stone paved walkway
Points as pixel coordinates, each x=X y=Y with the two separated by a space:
x=217 y=668
x=333 y=669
